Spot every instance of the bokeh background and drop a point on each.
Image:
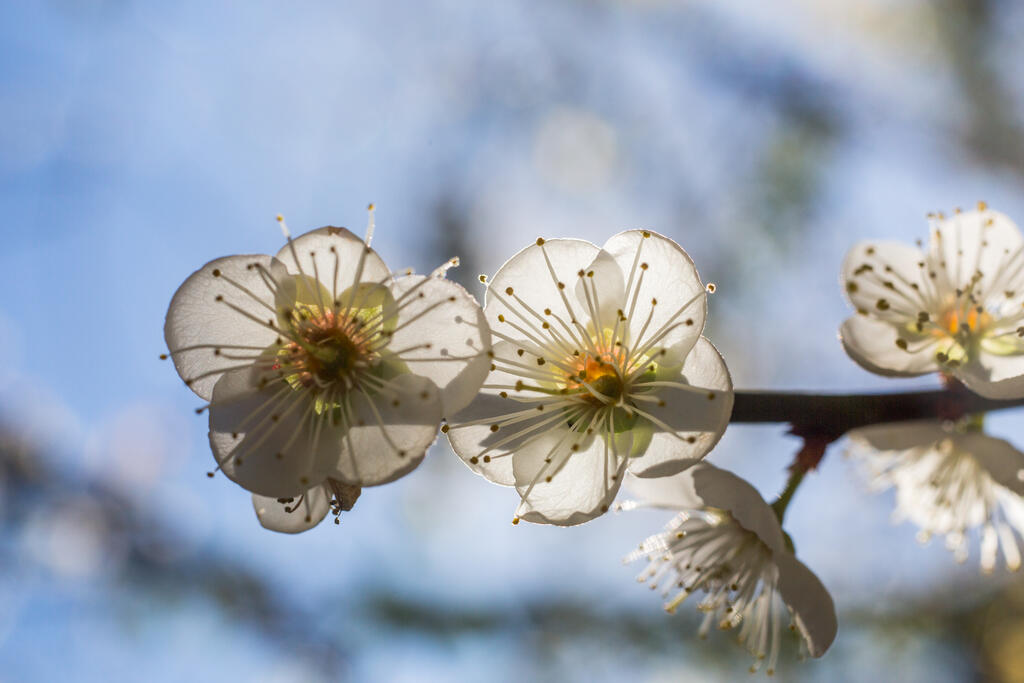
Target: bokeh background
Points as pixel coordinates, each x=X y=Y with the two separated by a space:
x=139 y=140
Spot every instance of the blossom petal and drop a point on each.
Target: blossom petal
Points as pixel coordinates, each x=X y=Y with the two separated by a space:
x=335 y=257
x=583 y=483
x=705 y=485
x=886 y=280
x=899 y=436
x=813 y=609
x=388 y=433
x=268 y=438
x=302 y=514
x=214 y=319
x=697 y=414
x=994 y=376
x=670 y=278
x=974 y=242
x=872 y=345
x=999 y=458
x=489 y=430
x=441 y=334
x=533 y=276
x=601 y=291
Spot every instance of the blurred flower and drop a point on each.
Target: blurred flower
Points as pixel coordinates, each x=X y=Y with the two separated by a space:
x=600 y=366
x=727 y=543
x=949 y=479
x=956 y=308
x=319 y=365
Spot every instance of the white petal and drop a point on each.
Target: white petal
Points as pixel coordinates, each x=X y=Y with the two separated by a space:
x=994 y=376
x=974 y=241
x=697 y=420
x=705 y=485
x=582 y=487
x=448 y=318
x=351 y=261
x=276 y=458
x=1003 y=462
x=872 y=345
x=886 y=280
x=670 y=278
x=386 y=441
x=196 y=318
x=305 y=513
x=813 y=609
x=900 y=436
x=531 y=281
x=476 y=443
x=601 y=291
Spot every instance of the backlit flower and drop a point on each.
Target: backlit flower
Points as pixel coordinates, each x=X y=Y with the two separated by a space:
x=320 y=366
x=599 y=366
x=726 y=545
x=949 y=479
x=956 y=306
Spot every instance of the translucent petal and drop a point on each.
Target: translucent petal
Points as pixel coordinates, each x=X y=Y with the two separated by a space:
x=887 y=280
x=697 y=416
x=268 y=439
x=487 y=451
x=705 y=485
x=900 y=436
x=305 y=512
x=583 y=483
x=974 y=242
x=1002 y=462
x=530 y=278
x=601 y=291
x=196 y=318
x=442 y=314
x=670 y=278
x=872 y=345
x=994 y=376
x=813 y=609
x=386 y=441
x=351 y=261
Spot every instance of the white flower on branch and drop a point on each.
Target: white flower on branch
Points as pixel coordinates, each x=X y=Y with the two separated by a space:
x=319 y=366
x=599 y=366
x=956 y=306
x=726 y=545
x=949 y=479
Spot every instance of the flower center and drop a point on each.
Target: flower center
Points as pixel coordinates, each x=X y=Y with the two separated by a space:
x=964 y=324
x=328 y=348
x=600 y=374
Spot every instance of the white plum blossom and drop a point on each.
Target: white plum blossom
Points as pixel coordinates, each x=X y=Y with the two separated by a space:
x=323 y=370
x=726 y=544
x=949 y=479
x=955 y=306
x=598 y=366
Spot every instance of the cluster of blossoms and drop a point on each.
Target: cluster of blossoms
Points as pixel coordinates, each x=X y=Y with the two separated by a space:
x=956 y=307
x=325 y=373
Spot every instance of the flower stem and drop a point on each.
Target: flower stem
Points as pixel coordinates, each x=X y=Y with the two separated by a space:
x=796 y=475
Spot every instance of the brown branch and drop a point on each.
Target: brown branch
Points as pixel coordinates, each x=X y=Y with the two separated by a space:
x=828 y=416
